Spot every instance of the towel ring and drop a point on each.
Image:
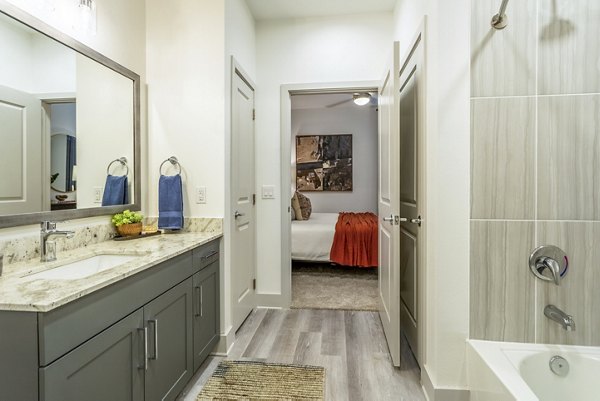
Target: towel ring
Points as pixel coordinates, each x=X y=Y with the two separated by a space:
x=123 y=161
x=173 y=160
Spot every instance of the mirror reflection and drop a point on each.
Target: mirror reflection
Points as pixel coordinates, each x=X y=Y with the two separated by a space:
x=64 y=119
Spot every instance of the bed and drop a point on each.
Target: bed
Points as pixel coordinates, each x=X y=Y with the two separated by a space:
x=347 y=239
x=312 y=238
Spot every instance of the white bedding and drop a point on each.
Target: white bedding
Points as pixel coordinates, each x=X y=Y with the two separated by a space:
x=312 y=238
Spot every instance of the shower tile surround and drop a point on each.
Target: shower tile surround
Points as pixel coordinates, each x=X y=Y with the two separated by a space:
x=20 y=247
x=535 y=168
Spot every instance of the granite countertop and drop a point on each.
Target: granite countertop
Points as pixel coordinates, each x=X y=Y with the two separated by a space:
x=20 y=292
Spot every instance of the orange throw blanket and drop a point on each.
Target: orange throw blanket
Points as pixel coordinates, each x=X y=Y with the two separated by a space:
x=355 y=240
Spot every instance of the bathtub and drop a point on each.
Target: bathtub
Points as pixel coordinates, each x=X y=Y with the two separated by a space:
x=502 y=371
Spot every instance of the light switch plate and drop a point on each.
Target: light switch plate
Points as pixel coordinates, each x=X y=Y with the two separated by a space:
x=268 y=191
x=201 y=195
x=97 y=194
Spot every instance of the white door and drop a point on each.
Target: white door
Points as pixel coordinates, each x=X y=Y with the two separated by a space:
x=388 y=200
x=243 y=228
x=412 y=148
x=20 y=153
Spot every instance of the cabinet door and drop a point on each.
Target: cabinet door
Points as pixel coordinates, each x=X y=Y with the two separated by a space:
x=168 y=320
x=206 y=312
x=109 y=366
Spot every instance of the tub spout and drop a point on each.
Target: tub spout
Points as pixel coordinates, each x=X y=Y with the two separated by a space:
x=565 y=320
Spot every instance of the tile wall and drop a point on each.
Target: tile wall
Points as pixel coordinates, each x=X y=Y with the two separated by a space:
x=535 y=167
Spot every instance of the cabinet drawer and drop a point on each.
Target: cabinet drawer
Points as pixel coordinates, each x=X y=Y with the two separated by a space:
x=206 y=254
x=65 y=328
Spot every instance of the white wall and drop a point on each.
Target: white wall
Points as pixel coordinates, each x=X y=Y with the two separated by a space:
x=38 y=64
x=186 y=87
x=53 y=67
x=327 y=49
x=361 y=122
x=447 y=213
x=63 y=118
x=120 y=33
x=15 y=45
x=104 y=121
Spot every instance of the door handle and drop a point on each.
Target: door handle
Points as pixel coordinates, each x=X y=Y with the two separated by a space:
x=393 y=219
x=155 y=336
x=389 y=219
x=417 y=221
x=238 y=214
x=201 y=301
x=144 y=330
x=197 y=303
x=210 y=255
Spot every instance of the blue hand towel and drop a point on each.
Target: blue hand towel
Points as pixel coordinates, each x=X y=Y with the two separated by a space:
x=115 y=191
x=170 y=202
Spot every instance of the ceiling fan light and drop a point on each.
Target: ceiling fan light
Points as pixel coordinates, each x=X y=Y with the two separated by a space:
x=361 y=99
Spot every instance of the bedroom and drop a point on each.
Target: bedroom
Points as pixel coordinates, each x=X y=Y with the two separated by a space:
x=334 y=163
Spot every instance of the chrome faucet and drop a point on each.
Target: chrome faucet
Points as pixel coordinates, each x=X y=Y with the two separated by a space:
x=566 y=321
x=48 y=248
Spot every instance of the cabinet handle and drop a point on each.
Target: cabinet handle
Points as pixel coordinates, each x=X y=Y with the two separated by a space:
x=210 y=255
x=201 y=302
x=155 y=335
x=144 y=330
x=198 y=294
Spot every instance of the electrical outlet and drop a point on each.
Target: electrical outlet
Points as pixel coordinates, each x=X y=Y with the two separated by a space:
x=200 y=194
x=268 y=191
x=97 y=194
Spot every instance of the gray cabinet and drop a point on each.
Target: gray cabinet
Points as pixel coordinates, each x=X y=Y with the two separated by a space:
x=168 y=321
x=138 y=339
x=107 y=367
x=206 y=312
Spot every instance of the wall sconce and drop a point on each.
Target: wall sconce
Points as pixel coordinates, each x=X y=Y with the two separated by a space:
x=85 y=17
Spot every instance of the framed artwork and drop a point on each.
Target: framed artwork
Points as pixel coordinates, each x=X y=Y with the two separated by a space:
x=324 y=163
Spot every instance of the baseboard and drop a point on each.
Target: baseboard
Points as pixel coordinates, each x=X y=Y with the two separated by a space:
x=271 y=301
x=225 y=343
x=441 y=394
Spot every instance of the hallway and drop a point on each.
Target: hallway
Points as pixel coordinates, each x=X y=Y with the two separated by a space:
x=349 y=344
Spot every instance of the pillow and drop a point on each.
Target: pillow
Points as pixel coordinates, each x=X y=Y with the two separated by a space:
x=305 y=206
x=293 y=213
x=296 y=207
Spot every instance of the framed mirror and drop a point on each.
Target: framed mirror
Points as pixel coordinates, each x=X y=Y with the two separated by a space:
x=69 y=126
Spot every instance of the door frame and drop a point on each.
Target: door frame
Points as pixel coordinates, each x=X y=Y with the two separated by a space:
x=47 y=101
x=227 y=297
x=286 y=169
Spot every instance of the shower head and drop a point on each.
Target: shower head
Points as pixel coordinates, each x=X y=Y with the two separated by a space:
x=500 y=20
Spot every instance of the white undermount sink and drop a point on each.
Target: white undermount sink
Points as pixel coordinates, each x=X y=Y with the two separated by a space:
x=84 y=267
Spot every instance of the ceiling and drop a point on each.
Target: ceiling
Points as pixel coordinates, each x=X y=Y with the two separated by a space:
x=278 y=9
x=322 y=100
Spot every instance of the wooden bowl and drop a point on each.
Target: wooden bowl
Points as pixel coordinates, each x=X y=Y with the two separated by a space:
x=126 y=230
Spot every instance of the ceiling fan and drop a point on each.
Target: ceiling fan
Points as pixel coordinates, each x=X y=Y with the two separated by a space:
x=359 y=98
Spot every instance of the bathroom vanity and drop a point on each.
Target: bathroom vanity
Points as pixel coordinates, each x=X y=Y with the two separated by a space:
x=137 y=331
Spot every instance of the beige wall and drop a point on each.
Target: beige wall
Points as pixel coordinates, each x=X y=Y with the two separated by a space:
x=535 y=175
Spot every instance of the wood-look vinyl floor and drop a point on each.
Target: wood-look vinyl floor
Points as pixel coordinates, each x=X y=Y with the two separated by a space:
x=349 y=344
